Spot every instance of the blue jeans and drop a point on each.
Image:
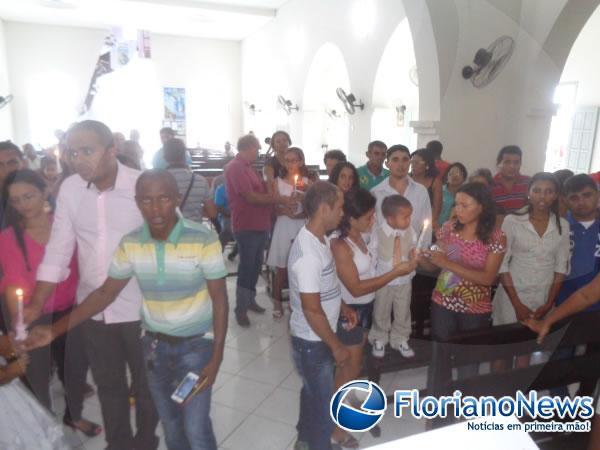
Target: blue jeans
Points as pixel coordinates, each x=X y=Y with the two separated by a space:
x=187 y=427
x=314 y=363
x=251 y=246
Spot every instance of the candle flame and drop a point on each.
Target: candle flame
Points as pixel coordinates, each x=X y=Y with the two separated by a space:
x=56 y=153
x=425 y=223
x=19 y=292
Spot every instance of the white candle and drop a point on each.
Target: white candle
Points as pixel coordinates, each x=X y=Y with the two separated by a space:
x=20 y=330
x=422 y=235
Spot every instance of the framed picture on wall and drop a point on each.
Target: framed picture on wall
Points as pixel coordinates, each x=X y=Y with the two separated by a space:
x=174 y=110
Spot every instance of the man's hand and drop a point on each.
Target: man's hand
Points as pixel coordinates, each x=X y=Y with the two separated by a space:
x=18 y=367
x=209 y=373
x=350 y=315
x=542 y=311
x=39 y=336
x=31 y=313
x=341 y=355
x=541 y=327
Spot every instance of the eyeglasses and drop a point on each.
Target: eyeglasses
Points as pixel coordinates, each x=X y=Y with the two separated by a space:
x=292 y=161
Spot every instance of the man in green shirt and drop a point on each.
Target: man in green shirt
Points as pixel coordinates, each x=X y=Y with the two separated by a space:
x=373 y=173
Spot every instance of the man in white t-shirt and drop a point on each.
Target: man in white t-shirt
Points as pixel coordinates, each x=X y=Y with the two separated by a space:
x=316 y=303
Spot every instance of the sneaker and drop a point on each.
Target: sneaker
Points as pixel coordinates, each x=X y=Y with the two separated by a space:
x=405 y=350
x=378 y=349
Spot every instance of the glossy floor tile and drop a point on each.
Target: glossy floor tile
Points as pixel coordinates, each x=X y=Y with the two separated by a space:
x=256 y=395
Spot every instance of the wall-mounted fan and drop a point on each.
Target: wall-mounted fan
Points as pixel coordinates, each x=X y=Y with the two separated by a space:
x=488 y=63
x=5 y=100
x=349 y=101
x=287 y=105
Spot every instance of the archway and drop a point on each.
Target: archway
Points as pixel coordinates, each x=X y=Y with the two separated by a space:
x=326 y=124
x=573 y=139
x=261 y=89
x=395 y=91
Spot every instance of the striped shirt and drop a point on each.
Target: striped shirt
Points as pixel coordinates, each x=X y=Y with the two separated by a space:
x=311 y=270
x=513 y=200
x=172 y=275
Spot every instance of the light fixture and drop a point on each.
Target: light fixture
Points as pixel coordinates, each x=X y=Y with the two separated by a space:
x=60 y=4
x=333 y=114
x=400 y=113
x=252 y=108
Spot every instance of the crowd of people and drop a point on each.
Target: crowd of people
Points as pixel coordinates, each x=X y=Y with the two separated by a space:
x=105 y=260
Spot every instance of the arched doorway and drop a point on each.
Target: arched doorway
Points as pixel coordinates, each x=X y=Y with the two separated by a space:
x=264 y=84
x=326 y=124
x=573 y=141
x=395 y=91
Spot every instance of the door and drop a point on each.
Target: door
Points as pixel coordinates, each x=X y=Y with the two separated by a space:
x=582 y=139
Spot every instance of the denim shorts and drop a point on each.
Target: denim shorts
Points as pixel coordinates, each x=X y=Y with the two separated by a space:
x=355 y=336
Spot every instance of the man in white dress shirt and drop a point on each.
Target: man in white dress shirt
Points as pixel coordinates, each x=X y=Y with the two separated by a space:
x=399 y=182
x=95 y=209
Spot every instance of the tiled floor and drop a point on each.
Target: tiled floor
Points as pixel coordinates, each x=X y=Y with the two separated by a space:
x=256 y=395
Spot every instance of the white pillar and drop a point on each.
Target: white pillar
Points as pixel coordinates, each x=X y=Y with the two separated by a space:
x=426 y=130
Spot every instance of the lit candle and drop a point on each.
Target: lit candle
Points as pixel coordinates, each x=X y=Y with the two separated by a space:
x=295 y=182
x=20 y=330
x=422 y=235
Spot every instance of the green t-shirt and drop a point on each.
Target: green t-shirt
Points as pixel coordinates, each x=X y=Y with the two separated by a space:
x=367 y=180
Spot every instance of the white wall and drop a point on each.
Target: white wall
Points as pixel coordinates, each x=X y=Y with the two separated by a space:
x=6 y=128
x=291 y=41
x=51 y=67
x=583 y=67
x=473 y=123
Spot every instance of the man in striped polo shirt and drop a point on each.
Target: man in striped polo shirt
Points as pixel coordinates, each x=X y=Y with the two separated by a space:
x=510 y=187
x=179 y=267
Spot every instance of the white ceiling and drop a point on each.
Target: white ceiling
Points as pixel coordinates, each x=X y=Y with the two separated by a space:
x=218 y=19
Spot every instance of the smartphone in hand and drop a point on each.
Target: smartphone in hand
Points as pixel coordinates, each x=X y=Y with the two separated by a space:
x=189 y=386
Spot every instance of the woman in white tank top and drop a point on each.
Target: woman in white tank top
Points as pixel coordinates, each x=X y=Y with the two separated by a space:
x=355 y=264
x=292 y=181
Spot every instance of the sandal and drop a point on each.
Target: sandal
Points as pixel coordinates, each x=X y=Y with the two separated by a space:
x=91 y=430
x=349 y=441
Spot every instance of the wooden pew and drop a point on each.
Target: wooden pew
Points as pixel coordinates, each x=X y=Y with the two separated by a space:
x=506 y=342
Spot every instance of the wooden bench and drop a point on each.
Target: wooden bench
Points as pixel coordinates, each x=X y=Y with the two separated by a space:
x=509 y=341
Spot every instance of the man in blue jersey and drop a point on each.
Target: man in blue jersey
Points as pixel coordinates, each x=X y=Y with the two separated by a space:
x=581 y=195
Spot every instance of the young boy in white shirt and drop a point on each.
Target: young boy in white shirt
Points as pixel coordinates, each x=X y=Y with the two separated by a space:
x=393 y=241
